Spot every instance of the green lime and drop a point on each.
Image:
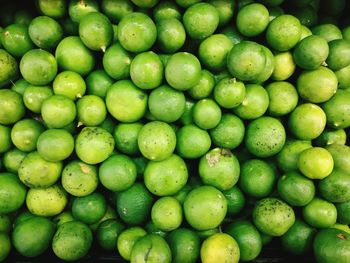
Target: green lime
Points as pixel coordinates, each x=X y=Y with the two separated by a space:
x=213 y=51
x=296 y=189
x=265 y=137
x=134 y=204
x=12 y=108
x=34 y=96
x=252 y=19
x=255 y=103
x=21 y=217
x=89 y=209
x=62 y=218
x=343 y=76
x=219 y=168
x=318 y=85
x=20 y=86
x=305 y=32
x=98 y=82
x=332 y=245
x=343 y=215
x=342 y=227
x=205 y=208
x=247 y=237
x=341 y=157
x=182 y=193
x=204 y=87
x=72 y=241
x=339 y=52
x=315 y=163
x=91 y=110
x=151 y=248
x=299 y=238
x=331 y=136
x=192 y=142
x=52 y=8
x=12 y=160
x=72 y=55
x=283 y=33
x=45 y=32
x=229 y=93
x=78 y=9
x=206 y=114
x=328 y=31
x=125 y=136
x=70 y=84
x=204 y=234
x=311 y=52
x=220 y=247
x=171 y=34
x=116 y=62
x=335 y=187
x=166 y=10
x=33 y=165
x=272 y=216
x=96 y=31
x=320 y=213
x=15 y=39
x=257 y=178
x=94 y=145
x=108 y=124
x=269 y=66
x=55 y=145
x=283 y=98
x=235 y=200
x=284 y=66
x=346 y=33
x=183 y=71
x=127 y=239
x=32 y=237
x=116 y=10
x=5 y=135
x=166 y=213
x=12 y=193
x=166 y=177
x=126 y=102
x=307 y=121
x=117 y=173
x=137 y=32
x=156 y=140
x=226 y=8
x=5 y=243
x=58 y=111
x=110 y=214
x=337 y=109
x=108 y=233
x=187 y=117
x=201 y=20
x=48 y=201
x=184 y=245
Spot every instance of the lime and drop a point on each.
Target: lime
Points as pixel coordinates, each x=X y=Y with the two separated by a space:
x=20 y=86
x=204 y=234
x=205 y=208
x=213 y=51
x=296 y=189
x=283 y=33
x=343 y=76
x=328 y=31
x=32 y=237
x=166 y=177
x=342 y=227
x=54 y=9
x=70 y=84
x=137 y=32
x=134 y=204
x=5 y=135
x=206 y=114
x=166 y=213
x=15 y=39
x=332 y=245
x=257 y=178
x=98 y=82
x=45 y=32
x=78 y=9
x=299 y=238
x=125 y=101
x=315 y=163
x=72 y=55
x=151 y=248
x=284 y=66
x=166 y=104
x=311 y=52
x=182 y=193
x=187 y=117
x=12 y=193
x=252 y=19
x=337 y=109
x=233 y=34
x=272 y=216
x=55 y=145
x=183 y=71
x=156 y=140
x=110 y=214
x=12 y=108
x=320 y=213
x=226 y=8
x=269 y=66
x=48 y=201
x=201 y=20
x=255 y=103
x=108 y=233
x=89 y=209
x=219 y=168
x=247 y=237
x=5 y=246
x=116 y=10
x=166 y=10
x=346 y=33
x=34 y=96
x=283 y=98
x=117 y=173
x=219 y=248
x=9 y=68
x=125 y=136
x=235 y=200
x=22 y=216
x=72 y=241
x=91 y=110
x=127 y=239
x=335 y=187
x=343 y=215
x=204 y=87
x=79 y=179
x=62 y=218
x=192 y=142
x=339 y=51
x=265 y=137
x=94 y=145
x=331 y=136
x=171 y=34
x=34 y=165
x=229 y=93
x=12 y=160
x=116 y=62
x=341 y=157
x=307 y=121
x=305 y=32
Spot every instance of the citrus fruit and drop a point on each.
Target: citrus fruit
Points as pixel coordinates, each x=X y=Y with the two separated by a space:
x=337 y=109
x=15 y=39
x=108 y=232
x=229 y=93
x=165 y=10
x=9 y=68
x=25 y=133
x=12 y=160
x=34 y=96
x=320 y=213
x=331 y=136
x=12 y=108
x=54 y=9
x=125 y=136
x=283 y=98
x=166 y=213
x=91 y=110
x=98 y=82
x=252 y=19
x=343 y=215
x=127 y=239
x=62 y=218
x=335 y=187
x=70 y=84
x=171 y=34
x=284 y=66
x=328 y=31
x=5 y=246
x=78 y=9
x=12 y=193
x=341 y=157
x=89 y=209
x=204 y=87
x=235 y=200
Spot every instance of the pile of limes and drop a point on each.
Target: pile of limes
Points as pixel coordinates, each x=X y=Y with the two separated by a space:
x=175 y=131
